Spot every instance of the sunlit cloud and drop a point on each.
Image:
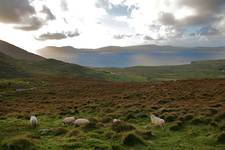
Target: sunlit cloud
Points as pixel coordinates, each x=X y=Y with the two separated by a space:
x=113 y=22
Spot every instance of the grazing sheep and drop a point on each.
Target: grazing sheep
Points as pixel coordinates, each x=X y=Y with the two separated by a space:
x=81 y=121
x=116 y=120
x=68 y=120
x=157 y=121
x=33 y=121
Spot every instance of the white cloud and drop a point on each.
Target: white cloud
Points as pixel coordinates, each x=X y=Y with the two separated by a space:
x=98 y=26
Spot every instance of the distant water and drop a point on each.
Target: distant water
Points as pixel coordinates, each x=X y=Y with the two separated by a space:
x=141 y=58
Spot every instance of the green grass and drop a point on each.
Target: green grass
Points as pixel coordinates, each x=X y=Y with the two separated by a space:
x=195 y=70
x=51 y=134
x=189 y=137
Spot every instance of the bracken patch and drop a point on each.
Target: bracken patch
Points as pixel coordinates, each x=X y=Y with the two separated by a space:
x=19 y=143
x=132 y=139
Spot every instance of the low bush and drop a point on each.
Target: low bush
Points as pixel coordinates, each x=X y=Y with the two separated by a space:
x=201 y=120
x=58 y=131
x=74 y=132
x=176 y=126
x=90 y=126
x=170 y=117
x=122 y=126
x=18 y=143
x=145 y=134
x=221 y=138
x=132 y=139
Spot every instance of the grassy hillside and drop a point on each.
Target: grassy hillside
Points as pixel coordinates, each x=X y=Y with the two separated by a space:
x=8 y=67
x=194 y=111
x=18 y=53
x=16 y=62
x=195 y=70
x=50 y=67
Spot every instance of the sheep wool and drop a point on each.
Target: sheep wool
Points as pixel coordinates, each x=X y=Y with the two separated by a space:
x=116 y=120
x=33 y=121
x=68 y=120
x=81 y=121
x=157 y=121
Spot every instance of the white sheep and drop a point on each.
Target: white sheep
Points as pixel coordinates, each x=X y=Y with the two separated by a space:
x=81 y=121
x=68 y=120
x=157 y=121
x=116 y=120
x=33 y=121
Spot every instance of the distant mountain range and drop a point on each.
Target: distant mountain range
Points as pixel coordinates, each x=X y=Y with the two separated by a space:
x=142 y=55
x=69 y=49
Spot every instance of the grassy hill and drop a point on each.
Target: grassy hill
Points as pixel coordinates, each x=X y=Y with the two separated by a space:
x=195 y=70
x=194 y=111
x=50 y=67
x=16 y=62
x=18 y=53
x=8 y=67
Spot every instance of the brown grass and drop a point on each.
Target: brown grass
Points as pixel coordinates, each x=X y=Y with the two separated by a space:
x=72 y=96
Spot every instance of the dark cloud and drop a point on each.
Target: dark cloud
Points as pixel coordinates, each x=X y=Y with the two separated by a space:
x=207 y=12
x=31 y=24
x=167 y=18
x=51 y=36
x=204 y=6
x=23 y=15
x=198 y=20
x=64 y=5
x=13 y=11
x=48 y=12
x=73 y=34
x=148 y=38
x=123 y=36
x=57 y=36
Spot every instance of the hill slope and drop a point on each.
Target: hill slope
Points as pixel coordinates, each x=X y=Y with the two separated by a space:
x=9 y=68
x=16 y=62
x=18 y=53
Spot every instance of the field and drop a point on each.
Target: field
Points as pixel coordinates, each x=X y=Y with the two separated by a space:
x=196 y=70
x=194 y=111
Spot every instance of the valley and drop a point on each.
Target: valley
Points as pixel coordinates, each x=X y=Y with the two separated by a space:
x=190 y=98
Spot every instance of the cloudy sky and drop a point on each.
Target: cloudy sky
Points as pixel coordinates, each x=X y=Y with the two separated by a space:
x=33 y=24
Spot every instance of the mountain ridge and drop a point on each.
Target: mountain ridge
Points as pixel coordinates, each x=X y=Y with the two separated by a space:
x=18 y=53
x=105 y=48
